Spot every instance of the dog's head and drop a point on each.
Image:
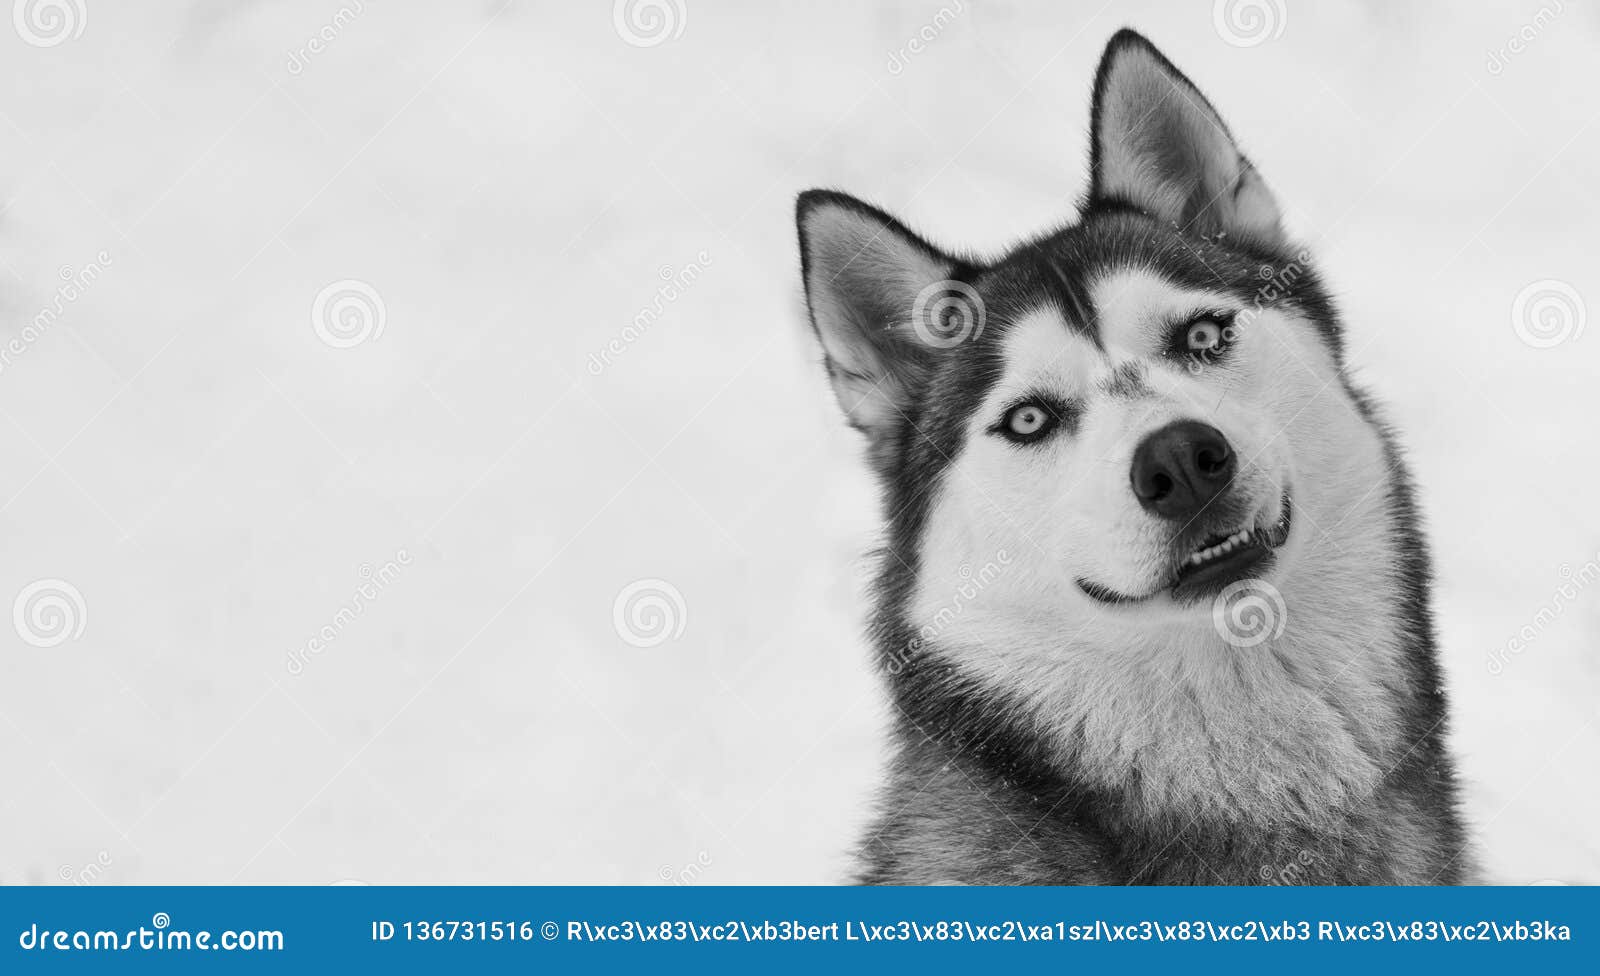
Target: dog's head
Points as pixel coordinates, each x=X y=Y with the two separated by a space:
x=1127 y=417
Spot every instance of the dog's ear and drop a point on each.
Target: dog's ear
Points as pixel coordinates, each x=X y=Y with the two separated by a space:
x=868 y=280
x=1158 y=145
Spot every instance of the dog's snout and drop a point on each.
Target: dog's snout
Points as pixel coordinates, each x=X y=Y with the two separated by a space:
x=1180 y=468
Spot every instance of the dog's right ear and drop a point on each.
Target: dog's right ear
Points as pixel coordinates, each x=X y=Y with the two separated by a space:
x=866 y=279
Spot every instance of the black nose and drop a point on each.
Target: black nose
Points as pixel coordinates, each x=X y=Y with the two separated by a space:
x=1180 y=468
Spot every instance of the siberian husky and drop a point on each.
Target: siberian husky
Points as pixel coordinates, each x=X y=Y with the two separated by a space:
x=1153 y=605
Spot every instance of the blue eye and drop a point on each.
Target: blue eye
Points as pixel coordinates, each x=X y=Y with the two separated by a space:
x=1204 y=339
x=1204 y=336
x=1027 y=422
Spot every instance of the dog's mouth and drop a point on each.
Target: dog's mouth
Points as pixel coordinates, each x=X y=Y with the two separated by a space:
x=1203 y=567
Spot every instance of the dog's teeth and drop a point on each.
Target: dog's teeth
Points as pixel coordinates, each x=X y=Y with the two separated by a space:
x=1232 y=542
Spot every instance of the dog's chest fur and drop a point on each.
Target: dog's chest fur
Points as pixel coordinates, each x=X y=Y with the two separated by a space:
x=971 y=826
x=1316 y=759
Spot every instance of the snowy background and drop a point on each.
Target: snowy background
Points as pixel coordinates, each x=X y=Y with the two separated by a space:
x=326 y=355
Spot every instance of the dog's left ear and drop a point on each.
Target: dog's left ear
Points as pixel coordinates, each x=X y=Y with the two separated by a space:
x=1160 y=146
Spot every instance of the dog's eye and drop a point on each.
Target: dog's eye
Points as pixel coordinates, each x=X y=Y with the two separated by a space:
x=1203 y=340
x=1204 y=336
x=1027 y=422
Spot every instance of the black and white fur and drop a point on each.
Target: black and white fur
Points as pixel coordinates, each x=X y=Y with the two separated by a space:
x=1070 y=720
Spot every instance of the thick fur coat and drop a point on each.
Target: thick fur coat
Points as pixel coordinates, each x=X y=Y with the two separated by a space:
x=1075 y=702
